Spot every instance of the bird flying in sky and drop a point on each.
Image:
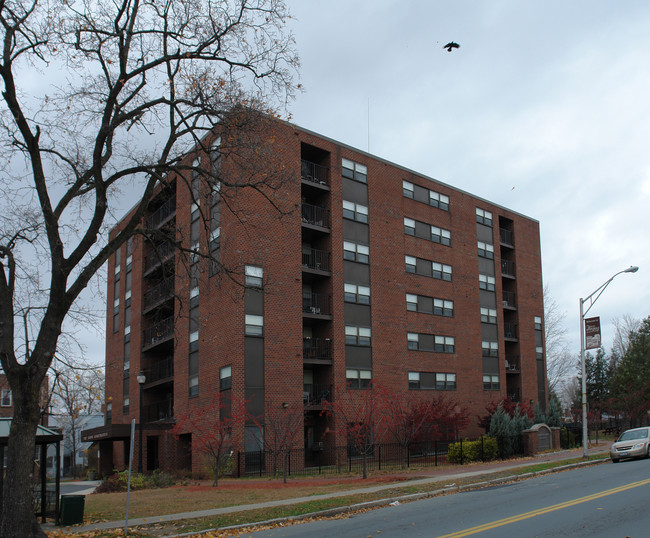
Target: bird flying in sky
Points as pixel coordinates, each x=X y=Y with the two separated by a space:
x=451 y=45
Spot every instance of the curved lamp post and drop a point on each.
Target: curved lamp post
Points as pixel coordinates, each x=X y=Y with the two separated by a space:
x=592 y=298
x=141 y=380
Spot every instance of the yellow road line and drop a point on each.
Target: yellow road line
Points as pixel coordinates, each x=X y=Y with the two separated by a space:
x=540 y=511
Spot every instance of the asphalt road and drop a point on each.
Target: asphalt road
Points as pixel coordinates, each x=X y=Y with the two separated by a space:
x=608 y=500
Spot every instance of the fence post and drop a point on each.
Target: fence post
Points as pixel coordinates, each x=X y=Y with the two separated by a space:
x=482 y=450
x=349 y=459
x=320 y=455
x=379 y=450
x=462 y=459
x=408 y=455
x=435 y=453
x=261 y=456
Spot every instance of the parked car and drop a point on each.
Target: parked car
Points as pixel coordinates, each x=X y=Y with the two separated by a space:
x=633 y=443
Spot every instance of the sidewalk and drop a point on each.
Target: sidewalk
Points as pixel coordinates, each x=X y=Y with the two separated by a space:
x=446 y=475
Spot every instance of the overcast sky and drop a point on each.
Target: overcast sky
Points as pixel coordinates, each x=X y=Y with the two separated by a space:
x=544 y=109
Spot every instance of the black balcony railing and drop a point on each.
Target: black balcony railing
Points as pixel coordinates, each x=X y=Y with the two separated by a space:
x=314 y=172
x=317 y=303
x=510 y=330
x=162 y=369
x=159 y=293
x=507 y=268
x=317 y=216
x=160 y=410
x=319 y=349
x=160 y=254
x=316 y=259
x=509 y=299
x=315 y=394
x=507 y=237
x=512 y=363
x=160 y=331
x=162 y=214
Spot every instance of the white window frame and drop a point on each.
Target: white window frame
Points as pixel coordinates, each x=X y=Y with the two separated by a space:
x=408 y=190
x=359 y=211
x=359 y=253
x=6 y=398
x=483 y=216
x=254 y=276
x=487 y=282
x=254 y=325
x=354 y=293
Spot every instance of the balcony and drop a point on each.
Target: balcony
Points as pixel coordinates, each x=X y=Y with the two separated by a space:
x=314 y=173
x=161 y=410
x=510 y=331
x=514 y=394
x=318 y=260
x=509 y=300
x=163 y=214
x=317 y=350
x=161 y=254
x=317 y=305
x=508 y=268
x=158 y=294
x=507 y=237
x=313 y=395
x=158 y=333
x=315 y=216
x=512 y=364
x=160 y=370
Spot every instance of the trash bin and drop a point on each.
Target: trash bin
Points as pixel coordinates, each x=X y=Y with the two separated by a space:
x=72 y=509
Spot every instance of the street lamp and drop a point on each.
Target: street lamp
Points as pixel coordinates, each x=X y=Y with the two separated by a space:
x=583 y=368
x=141 y=379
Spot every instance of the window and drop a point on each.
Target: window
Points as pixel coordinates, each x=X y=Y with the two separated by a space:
x=195 y=183
x=254 y=325
x=488 y=315
x=357 y=336
x=193 y=386
x=491 y=382
x=538 y=323
x=407 y=189
x=5 y=398
x=444 y=344
x=355 y=252
x=355 y=171
x=439 y=235
x=409 y=226
x=439 y=200
x=490 y=349
x=486 y=282
x=357 y=294
x=358 y=378
x=430 y=342
x=225 y=378
x=440 y=271
x=355 y=211
x=413 y=341
x=254 y=276
x=125 y=405
x=485 y=249
x=483 y=217
x=431 y=381
x=414 y=380
x=411 y=302
x=215 y=157
x=539 y=352
x=445 y=381
x=443 y=308
x=410 y=263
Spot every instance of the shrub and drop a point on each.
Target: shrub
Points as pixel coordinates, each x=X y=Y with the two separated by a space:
x=118 y=481
x=483 y=449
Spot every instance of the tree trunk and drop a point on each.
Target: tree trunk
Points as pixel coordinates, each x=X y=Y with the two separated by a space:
x=17 y=504
x=215 y=482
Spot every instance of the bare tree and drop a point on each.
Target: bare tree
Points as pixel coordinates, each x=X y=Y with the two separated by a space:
x=77 y=393
x=139 y=83
x=625 y=327
x=558 y=358
x=283 y=426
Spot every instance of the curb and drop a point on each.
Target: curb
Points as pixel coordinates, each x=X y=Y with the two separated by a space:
x=378 y=503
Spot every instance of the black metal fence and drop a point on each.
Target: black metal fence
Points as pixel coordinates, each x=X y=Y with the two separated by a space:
x=345 y=459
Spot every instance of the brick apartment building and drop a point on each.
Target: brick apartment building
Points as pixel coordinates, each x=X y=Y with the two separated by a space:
x=366 y=270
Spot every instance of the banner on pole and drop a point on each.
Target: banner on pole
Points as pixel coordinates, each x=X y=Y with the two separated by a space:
x=592 y=333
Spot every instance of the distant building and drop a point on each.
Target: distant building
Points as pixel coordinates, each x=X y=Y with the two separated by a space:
x=73 y=453
x=374 y=272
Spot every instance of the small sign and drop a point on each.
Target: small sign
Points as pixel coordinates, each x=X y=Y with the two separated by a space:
x=592 y=333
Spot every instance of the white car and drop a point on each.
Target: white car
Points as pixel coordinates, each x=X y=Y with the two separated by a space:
x=631 y=444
